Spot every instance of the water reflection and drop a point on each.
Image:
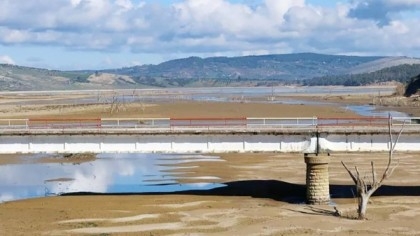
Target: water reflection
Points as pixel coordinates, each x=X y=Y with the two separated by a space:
x=109 y=173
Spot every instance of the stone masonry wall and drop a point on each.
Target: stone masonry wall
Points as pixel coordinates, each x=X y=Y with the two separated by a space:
x=317 y=179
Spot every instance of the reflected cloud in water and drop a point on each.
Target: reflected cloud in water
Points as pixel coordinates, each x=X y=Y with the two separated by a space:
x=109 y=173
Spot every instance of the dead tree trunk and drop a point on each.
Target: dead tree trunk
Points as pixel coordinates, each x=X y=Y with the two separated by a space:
x=366 y=187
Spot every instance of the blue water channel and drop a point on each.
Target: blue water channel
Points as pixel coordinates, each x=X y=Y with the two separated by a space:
x=109 y=173
x=371 y=111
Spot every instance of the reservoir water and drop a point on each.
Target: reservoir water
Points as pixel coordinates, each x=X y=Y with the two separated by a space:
x=369 y=110
x=108 y=173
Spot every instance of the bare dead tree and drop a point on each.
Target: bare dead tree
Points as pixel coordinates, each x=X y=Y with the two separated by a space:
x=137 y=99
x=366 y=186
x=114 y=104
x=100 y=98
x=117 y=105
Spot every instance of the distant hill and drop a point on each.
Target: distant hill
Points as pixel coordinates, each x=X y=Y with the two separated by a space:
x=26 y=78
x=400 y=73
x=383 y=63
x=266 y=67
x=264 y=70
x=20 y=78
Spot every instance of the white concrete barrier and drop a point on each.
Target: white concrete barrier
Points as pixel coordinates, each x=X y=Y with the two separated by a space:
x=367 y=143
x=154 y=143
x=203 y=143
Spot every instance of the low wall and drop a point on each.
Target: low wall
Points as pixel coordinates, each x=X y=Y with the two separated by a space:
x=367 y=142
x=204 y=143
x=153 y=143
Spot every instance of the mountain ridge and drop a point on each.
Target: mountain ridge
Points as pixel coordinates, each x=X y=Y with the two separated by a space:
x=270 y=66
x=254 y=70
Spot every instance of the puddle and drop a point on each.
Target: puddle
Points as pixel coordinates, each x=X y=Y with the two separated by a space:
x=108 y=173
x=369 y=110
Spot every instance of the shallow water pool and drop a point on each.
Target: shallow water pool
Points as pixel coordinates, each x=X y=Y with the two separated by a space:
x=108 y=173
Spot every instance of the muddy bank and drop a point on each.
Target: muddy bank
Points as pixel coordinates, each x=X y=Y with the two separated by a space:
x=177 y=110
x=261 y=197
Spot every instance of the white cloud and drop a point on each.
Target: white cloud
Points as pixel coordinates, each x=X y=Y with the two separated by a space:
x=4 y=59
x=277 y=9
x=125 y=4
x=75 y=2
x=213 y=27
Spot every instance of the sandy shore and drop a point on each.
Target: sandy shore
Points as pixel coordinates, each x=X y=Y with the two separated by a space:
x=177 y=109
x=62 y=105
x=263 y=196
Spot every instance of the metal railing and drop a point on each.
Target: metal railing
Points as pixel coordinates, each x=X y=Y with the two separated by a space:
x=254 y=123
x=281 y=122
x=208 y=122
x=14 y=123
x=134 y=122
x=406 y=121
x=352 y=121
x=58 y=123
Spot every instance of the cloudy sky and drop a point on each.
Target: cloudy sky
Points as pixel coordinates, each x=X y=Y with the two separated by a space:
x=95 y=34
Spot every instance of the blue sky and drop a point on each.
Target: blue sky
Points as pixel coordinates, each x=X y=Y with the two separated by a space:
x=97 y=34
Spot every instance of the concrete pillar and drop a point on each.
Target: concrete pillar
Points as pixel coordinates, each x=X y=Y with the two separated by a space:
x=317 y=178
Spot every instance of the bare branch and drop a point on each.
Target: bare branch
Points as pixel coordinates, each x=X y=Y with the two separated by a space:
x=390 y=133
x=350 y=173
x=393 y=168
x=398 y=137
x=388 y=172
x=373 y=173
x=357 y=172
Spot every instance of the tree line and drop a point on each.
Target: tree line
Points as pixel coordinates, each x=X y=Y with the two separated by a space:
x=401 y=73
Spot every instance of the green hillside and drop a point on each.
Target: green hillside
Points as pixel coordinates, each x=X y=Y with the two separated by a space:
x=401 y=73
x=264 y=70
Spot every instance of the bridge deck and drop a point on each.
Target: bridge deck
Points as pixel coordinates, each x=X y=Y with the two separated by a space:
x=271 y=125
x=206 y=135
